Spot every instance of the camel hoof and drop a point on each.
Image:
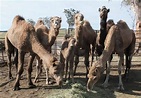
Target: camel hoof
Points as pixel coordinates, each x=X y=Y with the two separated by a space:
x=105 y=85
x=16 y=88
x=120 y=88
x=32 y=86
x=36 y=80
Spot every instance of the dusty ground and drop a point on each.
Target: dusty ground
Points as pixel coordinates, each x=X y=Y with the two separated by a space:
x=132 y=86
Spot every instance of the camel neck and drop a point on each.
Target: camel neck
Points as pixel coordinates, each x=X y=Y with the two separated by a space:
x=39 y=49
x=52 y=35
x=109 y=48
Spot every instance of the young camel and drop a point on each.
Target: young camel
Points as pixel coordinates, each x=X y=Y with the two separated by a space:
x=115 y=41
x=67 y=55
x=47 y=38
x=22 y=36
x=85 y=36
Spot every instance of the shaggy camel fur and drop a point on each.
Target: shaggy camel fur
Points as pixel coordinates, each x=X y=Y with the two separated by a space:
x=85 y=36
x=103 y=31
x=67 y=54
x=115 y=41
x=22 y=36
x=47 y=38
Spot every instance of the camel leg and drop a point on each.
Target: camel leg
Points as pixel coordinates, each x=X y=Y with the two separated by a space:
x=93 y=48
x=16 y=60
x=9 y=64
x=47 y=76
x=66 y=72
x=86 y=61
x=105 y=84
x=128 y=65
x=121 y=59
x=20 y=69
x=38 y=68
x=71 y=71
x=76 y=63
x=9 y=50
x=29 y=71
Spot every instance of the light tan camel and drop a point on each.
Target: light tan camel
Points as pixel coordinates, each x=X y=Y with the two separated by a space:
x=22 y=36
x=67 y=55
x=85 y=36
x=138 y=35
x=117 y=41
x=47 y=38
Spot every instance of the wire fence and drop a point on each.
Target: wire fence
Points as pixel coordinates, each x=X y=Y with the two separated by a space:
x=57 y=45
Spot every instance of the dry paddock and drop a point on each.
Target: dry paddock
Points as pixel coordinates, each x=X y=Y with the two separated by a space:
x=132 y=86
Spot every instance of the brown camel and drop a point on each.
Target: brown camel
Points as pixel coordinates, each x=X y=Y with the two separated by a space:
x=103 y=31
x=115 y=41
x=47 y=38
x=67 y=55
x=85 y=36
x=22 y=36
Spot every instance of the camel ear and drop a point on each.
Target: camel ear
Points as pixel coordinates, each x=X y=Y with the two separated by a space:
x=51 y=19
x=108 y=10
x=60 y=19
x=99 y=9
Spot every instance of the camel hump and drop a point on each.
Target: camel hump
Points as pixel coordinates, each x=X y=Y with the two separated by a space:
x=122 y=24
x=17 y=19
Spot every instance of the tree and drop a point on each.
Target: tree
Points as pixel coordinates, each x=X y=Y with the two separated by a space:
x=31 y=21
x=135 y=6
x=46 y=21
x=69 y=13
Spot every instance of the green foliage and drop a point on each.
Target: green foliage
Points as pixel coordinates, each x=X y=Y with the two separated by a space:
x=127 y=2
x=69 y=13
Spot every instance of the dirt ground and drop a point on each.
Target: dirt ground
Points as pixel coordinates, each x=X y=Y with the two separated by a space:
x=132 y=86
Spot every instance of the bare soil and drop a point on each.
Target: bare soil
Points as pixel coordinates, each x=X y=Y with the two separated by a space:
x=132 y=86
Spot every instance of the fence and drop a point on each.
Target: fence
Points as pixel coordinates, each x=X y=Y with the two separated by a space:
x=57 y=46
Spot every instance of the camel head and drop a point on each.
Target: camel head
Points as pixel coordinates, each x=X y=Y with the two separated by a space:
x=39 y=22
x=55 y=23
x=56 y=70
x=78 y=18
x=138 y=25
x=94 y=74
x=104 y=12
x=110 y=23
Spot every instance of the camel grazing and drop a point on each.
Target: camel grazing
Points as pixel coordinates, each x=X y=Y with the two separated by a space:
x=67 y=55
x=47 y=38
x=103 y=30
x=117 y=41
x=22 y=36
x=85 y=36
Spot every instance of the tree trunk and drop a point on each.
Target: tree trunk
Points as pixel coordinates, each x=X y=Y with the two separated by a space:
x=137 y=9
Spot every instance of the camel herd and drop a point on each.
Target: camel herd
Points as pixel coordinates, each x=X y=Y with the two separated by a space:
x=23 y=37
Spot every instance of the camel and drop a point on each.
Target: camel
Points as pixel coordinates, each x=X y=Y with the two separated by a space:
x=85 y=36
x=103 y=31
x=138 y=33
x=22 y=36
x=47 y=38
x=115 y=41
x=67 y=55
